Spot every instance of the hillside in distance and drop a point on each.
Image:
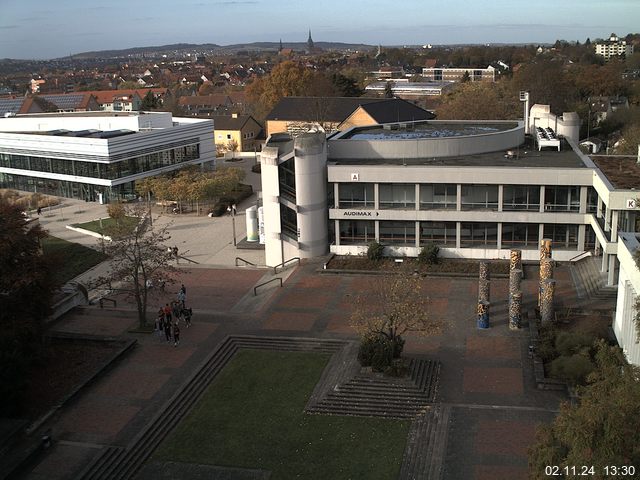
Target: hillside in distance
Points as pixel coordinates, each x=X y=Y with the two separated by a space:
x=214 y=48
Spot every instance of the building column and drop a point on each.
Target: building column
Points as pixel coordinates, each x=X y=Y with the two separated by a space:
x=336 y=196
x=614 y=225
x=611 y=277
x=458 y=228
x=583 y=199
x=607 y=220
x=500 y=198
x=417 y=234
x=377 y=230
x=336 y=227
x=458 y=201
x=599 y=208
x=540 y=233
x=605 y=260
x=376 y=200
x=581 y=237
x=541 y=202
x=417 y=196
x=499 y=235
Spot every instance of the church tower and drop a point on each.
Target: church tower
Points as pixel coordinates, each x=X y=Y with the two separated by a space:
x=310 y=45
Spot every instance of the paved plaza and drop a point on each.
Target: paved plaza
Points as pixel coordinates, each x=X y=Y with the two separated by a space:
x=486 y=377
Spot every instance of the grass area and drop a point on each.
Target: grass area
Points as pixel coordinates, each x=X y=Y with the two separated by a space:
x=72 y=258
x=252 y=417
x=103 y=226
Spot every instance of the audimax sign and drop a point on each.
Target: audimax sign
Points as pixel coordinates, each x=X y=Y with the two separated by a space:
x=360 y=213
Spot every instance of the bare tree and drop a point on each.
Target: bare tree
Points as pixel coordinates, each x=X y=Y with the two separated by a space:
x=139 y=261
x=393 y=305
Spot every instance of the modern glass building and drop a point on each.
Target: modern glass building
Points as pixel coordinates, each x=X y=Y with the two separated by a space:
x=98 y=156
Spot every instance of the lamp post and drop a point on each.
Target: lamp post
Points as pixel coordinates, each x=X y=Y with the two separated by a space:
x=232 y=213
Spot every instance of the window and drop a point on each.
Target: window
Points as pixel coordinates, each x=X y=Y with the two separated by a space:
x=440 y=233
x=562 y=199
x=438 y=196
x=521 y=197
x=437 y=74
x=64 y=167
x=228 y=136
x=479 y=197
x=287 y=177
x=357 y=232
x=520 y=235
x=564 y=237
x=397 y=195
x=289 y=222
x=478 y=235
x=399 y=233
x=356 y=195
x=592 y=200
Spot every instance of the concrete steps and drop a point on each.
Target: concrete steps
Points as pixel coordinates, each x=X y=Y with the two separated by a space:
x=377 y=395
x=590 y=282
x=426 y=445
x=115 y=463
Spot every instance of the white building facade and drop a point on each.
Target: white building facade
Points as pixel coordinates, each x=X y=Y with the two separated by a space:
x=98 y=156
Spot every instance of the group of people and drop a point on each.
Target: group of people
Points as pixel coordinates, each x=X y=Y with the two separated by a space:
x=169 y=317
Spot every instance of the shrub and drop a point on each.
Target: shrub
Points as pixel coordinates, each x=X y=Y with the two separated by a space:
x=568 y=343
x=546 y=349
x=429 y=254
x=379 y=352
x=574 y=369
x=375 y=251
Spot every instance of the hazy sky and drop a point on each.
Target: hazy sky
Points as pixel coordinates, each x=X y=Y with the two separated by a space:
x=55 y=28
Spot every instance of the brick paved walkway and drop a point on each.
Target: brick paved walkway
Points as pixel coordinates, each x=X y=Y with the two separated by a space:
x=486 y=375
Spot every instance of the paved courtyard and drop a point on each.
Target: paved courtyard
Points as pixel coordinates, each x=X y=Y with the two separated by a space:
x=486 y=376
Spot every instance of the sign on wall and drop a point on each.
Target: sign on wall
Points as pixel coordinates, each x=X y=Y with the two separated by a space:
x=360 y=213
x=631 y=203
x=355 y=177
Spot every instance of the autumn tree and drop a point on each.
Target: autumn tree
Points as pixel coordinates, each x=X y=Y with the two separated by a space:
x=394 y=304
x=602 y=429
x=116 y=210
x=150 y=102
x=138 y=259
x=547 y=83
x=26 y=291
x=481 y=101
x=287 y=79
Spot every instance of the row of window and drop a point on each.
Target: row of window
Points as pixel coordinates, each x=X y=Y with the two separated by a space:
x=473 y=197
x=108 y=171
x=472 y=234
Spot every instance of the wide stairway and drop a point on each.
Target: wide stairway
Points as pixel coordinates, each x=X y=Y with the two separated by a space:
x=590 y=282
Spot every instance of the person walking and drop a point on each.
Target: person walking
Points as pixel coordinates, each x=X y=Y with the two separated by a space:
x=187 y=313
x=167 y=313
x=175 y=310
x=181 y=298
x=159 y=322
x=167 y=330
x=176 y=334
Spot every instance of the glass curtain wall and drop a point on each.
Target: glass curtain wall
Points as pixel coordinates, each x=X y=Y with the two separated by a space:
x=521 y=197
x=520 y=235
x=562 y=199
x=440 y=233
x=397 y=196
x=398 y=233
x=438 y=196
x=356 y=195
x=478 y=235
x=479 y=197
x=357 y=232
x=564 y=237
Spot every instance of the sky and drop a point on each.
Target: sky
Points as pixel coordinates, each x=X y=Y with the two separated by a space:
x=43 y=29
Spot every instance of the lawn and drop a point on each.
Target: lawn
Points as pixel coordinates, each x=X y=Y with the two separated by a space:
x=100 y=226
x=252 y=416
x=72 y=258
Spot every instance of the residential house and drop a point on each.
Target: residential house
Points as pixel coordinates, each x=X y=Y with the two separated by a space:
x=236 y=132
x=296 y=115
x=441 y=74
x=206 y=105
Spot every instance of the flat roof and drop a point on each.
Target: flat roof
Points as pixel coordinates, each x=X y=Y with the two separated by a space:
x=623 y=172
x=526 y=156
x=428 y=129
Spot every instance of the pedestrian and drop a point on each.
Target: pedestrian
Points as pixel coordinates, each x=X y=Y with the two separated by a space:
x=175 y=310
x=167 y=313
x=233 y=209
x=187 y=313
x=229 y=210
x=167 y=330
x=176 y=335
x=181 y=298
x=159 y=321
x=183 y=289
x=175 y=253
x=39 y=211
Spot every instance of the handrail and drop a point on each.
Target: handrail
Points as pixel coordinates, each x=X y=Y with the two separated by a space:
x=588 y=253
x=105 y=299
x=265 y=283
x=275 y=269
x=247 y=262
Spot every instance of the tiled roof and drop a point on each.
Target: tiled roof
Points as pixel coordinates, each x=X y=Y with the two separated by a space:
x=206 y=100
x=228 y=122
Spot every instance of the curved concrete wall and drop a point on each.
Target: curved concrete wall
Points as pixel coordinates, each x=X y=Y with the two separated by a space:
x=428 y=147
x=311 y=194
